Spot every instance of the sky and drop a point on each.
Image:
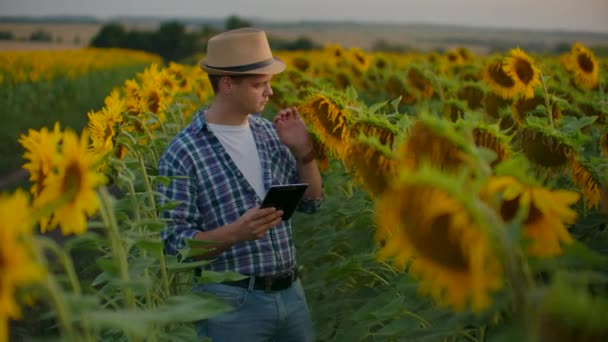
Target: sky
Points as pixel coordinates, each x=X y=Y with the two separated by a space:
x=570 y=15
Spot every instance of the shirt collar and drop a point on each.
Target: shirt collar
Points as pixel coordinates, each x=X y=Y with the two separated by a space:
x=200 y=122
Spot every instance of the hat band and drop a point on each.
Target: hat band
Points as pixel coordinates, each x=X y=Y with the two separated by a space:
x=246 y=67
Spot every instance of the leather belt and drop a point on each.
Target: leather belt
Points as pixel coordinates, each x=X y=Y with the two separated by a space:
x=267 y=283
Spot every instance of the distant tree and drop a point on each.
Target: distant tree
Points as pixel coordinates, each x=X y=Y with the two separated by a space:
x=234 y=22
x=385 y=46
x=110 y=35
x=6 y=35
x=41 y=36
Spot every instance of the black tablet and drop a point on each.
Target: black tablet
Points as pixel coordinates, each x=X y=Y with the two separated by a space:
x=284 y=197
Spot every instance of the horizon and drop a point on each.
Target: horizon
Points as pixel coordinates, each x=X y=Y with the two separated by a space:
x=189 y=19
x=541 y=15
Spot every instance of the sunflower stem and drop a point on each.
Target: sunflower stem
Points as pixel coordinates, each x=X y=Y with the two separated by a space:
x=147 y=184
x=56 y=296
x=547 y=102
x=118 y=251
x=65 y=260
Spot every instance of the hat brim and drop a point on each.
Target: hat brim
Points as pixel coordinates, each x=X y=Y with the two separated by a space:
x=276 y=67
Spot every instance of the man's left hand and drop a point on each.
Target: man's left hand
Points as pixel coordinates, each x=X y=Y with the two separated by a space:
x=292 y=131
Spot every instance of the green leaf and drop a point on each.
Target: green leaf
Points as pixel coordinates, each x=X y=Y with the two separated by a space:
x=175 y=266
x=154 y=247
x=170 y=205
x=187 y=308
x=571 y=124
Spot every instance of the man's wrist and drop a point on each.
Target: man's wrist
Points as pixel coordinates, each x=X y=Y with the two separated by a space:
x=304 y=159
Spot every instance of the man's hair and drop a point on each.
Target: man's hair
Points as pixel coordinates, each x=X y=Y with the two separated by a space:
x=215 y=80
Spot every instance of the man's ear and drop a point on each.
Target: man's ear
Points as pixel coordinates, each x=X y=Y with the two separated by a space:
x=225 y=84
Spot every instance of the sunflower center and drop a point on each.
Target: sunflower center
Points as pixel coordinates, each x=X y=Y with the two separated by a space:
x=154 y=101
x=533 y=215
x=500 y=77
x=585 y=63
x=509 y=208
x=72 y=180
x=524 y=70
x=436 y=244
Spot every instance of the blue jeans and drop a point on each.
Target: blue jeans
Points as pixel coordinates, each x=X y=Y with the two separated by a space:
x=258 y=315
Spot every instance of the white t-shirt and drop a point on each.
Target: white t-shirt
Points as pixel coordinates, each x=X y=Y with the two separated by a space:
x=240 y=145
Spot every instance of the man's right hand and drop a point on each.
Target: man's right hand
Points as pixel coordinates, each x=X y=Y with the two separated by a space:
x=254 y=223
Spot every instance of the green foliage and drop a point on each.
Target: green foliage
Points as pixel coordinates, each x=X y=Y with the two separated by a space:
x=40 y=104
x=235 y=22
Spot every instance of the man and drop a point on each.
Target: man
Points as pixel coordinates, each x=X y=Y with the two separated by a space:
x=231 y=156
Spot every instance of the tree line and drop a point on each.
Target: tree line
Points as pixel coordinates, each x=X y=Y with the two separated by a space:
x=173 y=42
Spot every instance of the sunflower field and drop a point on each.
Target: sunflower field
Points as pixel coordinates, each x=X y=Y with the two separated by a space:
x=466 y=199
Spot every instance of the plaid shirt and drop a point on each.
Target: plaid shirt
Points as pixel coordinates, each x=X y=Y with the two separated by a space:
x=215 y=193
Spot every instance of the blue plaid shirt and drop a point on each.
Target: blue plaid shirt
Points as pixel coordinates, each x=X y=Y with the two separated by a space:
x=215 y=193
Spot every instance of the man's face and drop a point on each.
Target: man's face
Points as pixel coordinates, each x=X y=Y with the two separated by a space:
x=252 y=92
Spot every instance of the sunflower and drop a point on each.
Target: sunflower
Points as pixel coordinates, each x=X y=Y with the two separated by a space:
x=71 y=189
x=519 y=67
x=492 y=140
x=584 y=178
x=342 y=80
x=178 y=73
x=17 y=264
x=454 y=109
x=301 y=63
x=546 y=212
x=584 y=66
x=374 y=126
x=499 y=81
x=330 y=120
x=102 y=131
x=473 y=94
x=435 y=142
x=427 y=221
x=523 y=106
x=419 y=82
x=604 y=145
x=494 y=104
x=545 y=148
x=372 y=164
x=360 y=60
x=40 y=153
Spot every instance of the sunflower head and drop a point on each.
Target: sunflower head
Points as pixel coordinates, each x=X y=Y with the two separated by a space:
x=546 y=147
x=501 y=83
x=604 y=145
x=491 y=138
x=520 y=67
x=587 y=180
x=331 y=120
x=437 y=142
x=546 y=212
x=372 y=163
x=584 y=66
x=427 y=221
x=41 y=155
x=420 y=82
x=473 y=94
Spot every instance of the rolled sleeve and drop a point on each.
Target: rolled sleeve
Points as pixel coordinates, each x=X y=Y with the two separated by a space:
x=310 y=205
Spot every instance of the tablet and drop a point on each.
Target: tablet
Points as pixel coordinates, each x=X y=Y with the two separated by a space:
x=284 y=197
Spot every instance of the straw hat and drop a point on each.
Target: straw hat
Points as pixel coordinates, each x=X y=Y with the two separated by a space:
x=241 y=51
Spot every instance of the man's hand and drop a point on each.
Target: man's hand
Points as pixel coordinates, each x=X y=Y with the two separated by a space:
x=292 y=132
x=254 y=223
